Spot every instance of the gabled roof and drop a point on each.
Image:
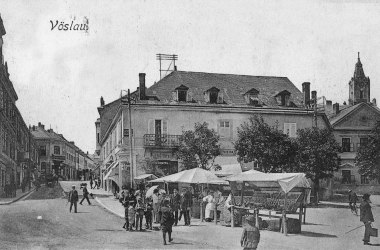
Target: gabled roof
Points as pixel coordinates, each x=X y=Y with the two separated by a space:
x=336 y=118
x=234 y=87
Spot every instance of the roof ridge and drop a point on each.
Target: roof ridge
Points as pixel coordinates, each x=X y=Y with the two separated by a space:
x=231 y=74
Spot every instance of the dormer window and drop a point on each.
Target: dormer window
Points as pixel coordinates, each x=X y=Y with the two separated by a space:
x=283 y=98
x=214 y=96
x=181 y=94
x=252 y=97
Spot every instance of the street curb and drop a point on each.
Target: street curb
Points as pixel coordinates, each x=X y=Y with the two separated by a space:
x=107 y=208
x=19 y=198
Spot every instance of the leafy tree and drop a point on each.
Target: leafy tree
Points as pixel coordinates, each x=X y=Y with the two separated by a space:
x=368 y=155
x=199 y=148
x=317 y=155
x=257 y=141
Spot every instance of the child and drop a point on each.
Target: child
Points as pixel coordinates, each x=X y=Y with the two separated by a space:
x=167 y=221
x=139 y=213
x=149 y=215
x=131 y=216
x=251 y=235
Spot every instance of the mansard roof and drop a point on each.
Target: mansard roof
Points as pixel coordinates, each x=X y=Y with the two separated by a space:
x=233 y=86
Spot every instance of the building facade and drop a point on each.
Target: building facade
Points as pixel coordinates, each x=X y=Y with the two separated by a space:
x=351 y=126
x=143 y=137
x=58 y=155
x=18 y=153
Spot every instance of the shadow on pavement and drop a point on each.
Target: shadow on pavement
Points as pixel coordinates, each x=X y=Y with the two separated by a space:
x=318 y=235
x=110 y=230
x=179 y=243
x=314 y=224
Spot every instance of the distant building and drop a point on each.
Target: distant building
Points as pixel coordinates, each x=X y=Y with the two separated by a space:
x=161 y=112
x=18 y=153
x=351 y=125
x=60 y=156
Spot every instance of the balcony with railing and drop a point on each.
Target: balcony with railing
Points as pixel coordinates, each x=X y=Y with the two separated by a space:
x=166 y=141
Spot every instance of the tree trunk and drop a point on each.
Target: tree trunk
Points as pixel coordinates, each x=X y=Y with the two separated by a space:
x=316 y=191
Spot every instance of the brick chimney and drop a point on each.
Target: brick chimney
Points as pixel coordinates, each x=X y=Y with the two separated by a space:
x=306 y=93
x=329 y=108
x=336 y=108
x=142 y=86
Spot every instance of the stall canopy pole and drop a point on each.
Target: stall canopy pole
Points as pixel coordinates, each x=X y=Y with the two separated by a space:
x=284 y=219
x=201 y=205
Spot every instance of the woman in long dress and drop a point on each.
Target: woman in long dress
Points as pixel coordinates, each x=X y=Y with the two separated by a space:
x=210 y=206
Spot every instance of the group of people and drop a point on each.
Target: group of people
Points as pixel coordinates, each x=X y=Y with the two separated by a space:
x=95 y=182
x=163 y=209
x=213 y=201
x=73 y=197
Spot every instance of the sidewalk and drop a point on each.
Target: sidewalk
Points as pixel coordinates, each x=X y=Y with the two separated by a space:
x=19 y=195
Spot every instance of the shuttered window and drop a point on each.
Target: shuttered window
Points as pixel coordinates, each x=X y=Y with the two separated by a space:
x=158 y=126
x=290 y=129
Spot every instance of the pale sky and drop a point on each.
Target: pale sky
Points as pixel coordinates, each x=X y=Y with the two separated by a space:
x=59 y=76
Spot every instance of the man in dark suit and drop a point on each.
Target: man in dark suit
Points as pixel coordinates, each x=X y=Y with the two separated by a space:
x=186 y=204
x=175 y=201
x=85 y=195
x=73 y=199
x=366 y=217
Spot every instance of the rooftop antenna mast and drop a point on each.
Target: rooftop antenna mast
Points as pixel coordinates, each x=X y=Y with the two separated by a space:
x=167 y=57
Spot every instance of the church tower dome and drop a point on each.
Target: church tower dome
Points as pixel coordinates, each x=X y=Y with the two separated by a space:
x=359 y=85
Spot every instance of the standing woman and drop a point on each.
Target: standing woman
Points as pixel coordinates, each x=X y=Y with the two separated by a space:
x=156 y=205
x=210 y=206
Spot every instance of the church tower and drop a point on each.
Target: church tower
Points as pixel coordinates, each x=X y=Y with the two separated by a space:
x=359 y=85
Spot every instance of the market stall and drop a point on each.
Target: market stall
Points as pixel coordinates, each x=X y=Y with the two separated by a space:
x=283 y=193
x=198 y=179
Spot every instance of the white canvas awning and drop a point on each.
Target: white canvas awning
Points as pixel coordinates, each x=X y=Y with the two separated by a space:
x=195 y=175
x=287 y=181
x=110 y=168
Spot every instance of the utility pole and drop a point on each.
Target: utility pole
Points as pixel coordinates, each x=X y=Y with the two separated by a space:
x=129 y=102
x=130 y=137
x=30 y=184
x=314 y=94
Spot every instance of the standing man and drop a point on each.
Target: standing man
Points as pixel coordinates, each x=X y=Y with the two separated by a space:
x=366 y=217
x=73 y=198
x=85 y=195
x=91 y=182
x=352 y=199
x=175 y=202
x=186 y=203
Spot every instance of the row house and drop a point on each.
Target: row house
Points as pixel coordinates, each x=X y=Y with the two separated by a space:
x=134 y=138
x=351 y=126
x=18 y=153
x=58 y=155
